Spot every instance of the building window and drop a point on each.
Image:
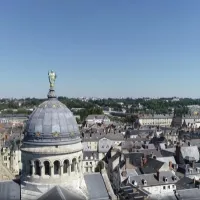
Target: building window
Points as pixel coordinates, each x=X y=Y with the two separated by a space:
x=56 y=167
x=164 y=187
x=5 y=158
x=46 y=168
x=37 y=168
x=65 y=166
x=73 y=165
x=168 y=186
x=86 y=169
x=86 y=163
x=173 y=186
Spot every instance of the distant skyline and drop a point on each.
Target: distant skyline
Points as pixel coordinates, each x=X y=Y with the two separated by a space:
x=133 y=48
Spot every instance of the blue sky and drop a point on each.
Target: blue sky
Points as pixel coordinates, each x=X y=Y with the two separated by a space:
x=100 y=48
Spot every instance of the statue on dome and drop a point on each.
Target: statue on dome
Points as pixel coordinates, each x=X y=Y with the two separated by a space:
x=52 y=77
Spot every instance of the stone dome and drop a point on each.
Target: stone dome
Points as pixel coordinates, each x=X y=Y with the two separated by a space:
x=52 y=123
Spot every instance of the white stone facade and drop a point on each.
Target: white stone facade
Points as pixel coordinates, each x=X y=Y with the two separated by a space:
x=11 y=160
x=156 y=120
x=50 y=166
x=160 y=189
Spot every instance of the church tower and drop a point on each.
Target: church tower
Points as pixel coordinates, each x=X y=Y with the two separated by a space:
x=51 y=150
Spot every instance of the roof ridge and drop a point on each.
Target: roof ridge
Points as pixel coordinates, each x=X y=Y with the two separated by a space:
x=58 y=188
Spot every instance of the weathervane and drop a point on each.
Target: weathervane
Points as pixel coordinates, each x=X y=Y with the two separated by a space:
x=52 y=78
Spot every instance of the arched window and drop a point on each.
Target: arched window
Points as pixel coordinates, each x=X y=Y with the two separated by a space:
x=73 y=165
x=37 y=168
x=56 y=167
x=65 y=166
x=46 y=168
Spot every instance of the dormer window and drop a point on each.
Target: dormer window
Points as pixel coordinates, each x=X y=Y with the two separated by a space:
x=174 y=178
x=165 y=179
x=144 y=181
x=86 y=158
x=190 y=170
x=198 y=170
x=134 y=183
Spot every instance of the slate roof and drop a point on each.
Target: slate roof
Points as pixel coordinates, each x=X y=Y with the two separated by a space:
x=134 y=158
x=185 y=183
x=152 y=166
x=189 y=194
x=51 y=123
x=91 y=117
x=9 y=190
x=167 y=159
x=131 y=172
x=130 y=192
x=59 y=193
x=152 y=179
x=146 y=152
x=96 y=187
x=190 y=151
x=166 y=196
x=30 y=187
x=98 y=136
x=170 y=150
x=104 y=145
x=188 y=169
x=194 y=142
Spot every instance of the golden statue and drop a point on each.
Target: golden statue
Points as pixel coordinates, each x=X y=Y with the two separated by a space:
x=52 y=78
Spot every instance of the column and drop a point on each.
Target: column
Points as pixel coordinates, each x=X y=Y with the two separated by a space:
x=78 y=167
x=30 y=170
x=69 y=169
x=52 y=170
x=61 y=170
x=33 y=168
x=75 y=167
x=41 y=170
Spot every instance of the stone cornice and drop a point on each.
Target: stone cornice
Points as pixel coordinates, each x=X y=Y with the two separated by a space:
x=49 y=151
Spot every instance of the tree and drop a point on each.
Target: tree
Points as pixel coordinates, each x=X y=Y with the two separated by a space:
x=78 y=120
x=99 y=166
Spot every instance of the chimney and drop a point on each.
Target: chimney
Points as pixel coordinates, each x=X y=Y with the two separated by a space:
x=170 y=165
x=151 y=155
x=144 y=161
x=193 y=163
x=158 y=175
x=178 y=150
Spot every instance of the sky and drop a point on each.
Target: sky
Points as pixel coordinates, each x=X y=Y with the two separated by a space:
x=100 y=48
